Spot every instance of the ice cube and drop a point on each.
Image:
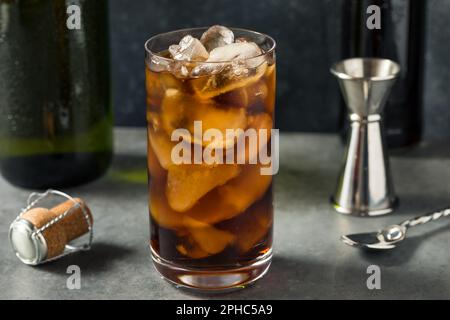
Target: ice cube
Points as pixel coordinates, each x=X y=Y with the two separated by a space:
x=207 y=69
x=168 y=218
x=212 y=208
x=162 y=146
x=153 y=119
x=154 y=167
x=179 y=110
x=257 y=96
x=164 y=215
x=187 y=183
x=201 y=239
x=209 y=239
x=189 y=49
x=232 y=77
x=234 y=51
x=232 y=198
x=160 y=210
x=221 y=119
x=217 y=36
x=156 y=84
x=253 y=225
x=180 y=69
x=235 y=98
x=220 y=204
x=236 y=58
x=190 y=249
x=260 y=121
x=173 y=111
x=246 y=188
x=158 y=64
x=232 y=66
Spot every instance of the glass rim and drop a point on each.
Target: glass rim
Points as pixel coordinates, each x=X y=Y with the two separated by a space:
x=264 y=53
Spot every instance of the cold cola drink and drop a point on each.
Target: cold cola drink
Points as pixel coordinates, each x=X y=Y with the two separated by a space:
x=210 y=111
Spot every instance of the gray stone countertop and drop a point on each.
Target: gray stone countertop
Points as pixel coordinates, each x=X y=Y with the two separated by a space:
x=309 y=260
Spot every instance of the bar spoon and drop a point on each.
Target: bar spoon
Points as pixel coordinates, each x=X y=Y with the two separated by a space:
x=389 y=237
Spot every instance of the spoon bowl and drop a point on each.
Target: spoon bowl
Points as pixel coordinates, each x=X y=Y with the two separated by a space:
x=389 y=237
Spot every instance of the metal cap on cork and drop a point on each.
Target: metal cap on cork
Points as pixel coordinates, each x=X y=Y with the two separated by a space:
x=28 y=248
x=40 y=234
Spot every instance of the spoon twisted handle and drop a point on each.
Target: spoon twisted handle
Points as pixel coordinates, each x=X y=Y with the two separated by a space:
x=426 y=218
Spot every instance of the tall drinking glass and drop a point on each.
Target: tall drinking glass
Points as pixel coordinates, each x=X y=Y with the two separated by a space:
x=210 y=163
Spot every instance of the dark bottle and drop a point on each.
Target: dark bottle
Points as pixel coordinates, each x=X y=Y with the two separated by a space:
x=55 y=104
x=401 y=38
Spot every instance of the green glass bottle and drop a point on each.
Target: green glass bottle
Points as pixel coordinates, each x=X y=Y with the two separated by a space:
x=55 y=102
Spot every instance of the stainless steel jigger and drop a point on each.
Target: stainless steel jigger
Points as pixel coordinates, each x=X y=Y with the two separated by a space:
x=364 y=187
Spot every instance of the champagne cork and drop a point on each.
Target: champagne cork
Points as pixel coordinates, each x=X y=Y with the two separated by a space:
x=55 y=235
x=54 y=238
x=75 y=224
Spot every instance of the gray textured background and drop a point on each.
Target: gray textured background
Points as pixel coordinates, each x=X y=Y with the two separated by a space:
x=308 y=39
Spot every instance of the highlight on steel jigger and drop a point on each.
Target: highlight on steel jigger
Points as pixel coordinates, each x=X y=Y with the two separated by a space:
x=364 y=186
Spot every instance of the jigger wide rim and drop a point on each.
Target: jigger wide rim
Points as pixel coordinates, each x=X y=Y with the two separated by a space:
x=345 y=76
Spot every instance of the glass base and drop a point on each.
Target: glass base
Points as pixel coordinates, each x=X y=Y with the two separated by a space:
x=214 y=280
